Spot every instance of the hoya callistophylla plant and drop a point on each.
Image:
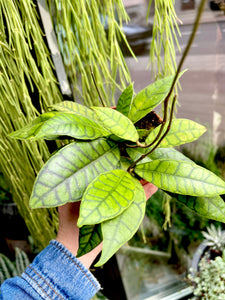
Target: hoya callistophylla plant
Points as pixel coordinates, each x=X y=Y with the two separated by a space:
x=109 y=153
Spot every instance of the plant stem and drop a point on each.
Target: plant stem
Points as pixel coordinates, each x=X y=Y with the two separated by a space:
x=168 y=127
x=190 y=41
x=166 y=101
x=131 y=167
x=95 y=83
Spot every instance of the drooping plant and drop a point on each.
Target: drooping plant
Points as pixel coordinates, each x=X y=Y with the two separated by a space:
x=164 y=38
x=162 y=55
x=26 y=71
x=89 y=34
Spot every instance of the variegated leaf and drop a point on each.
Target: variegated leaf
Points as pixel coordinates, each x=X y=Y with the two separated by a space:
x=117 y=123
x=147 y=99
x=182 y=131
x=211 y=208
x=181 y=177
x=31 y=130
x=151 y=96
x=169 y=153
x=90 y=236
x=143 y=133
x=119 y=230
x=158 y=153
x=66 y=174
x=75 y=108
x=136 y=153
x=76 y=126
x=125 y=100
x=106 y=197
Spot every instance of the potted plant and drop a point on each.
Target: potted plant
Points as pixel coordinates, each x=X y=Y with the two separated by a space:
x=106 y=154
x=207 y=273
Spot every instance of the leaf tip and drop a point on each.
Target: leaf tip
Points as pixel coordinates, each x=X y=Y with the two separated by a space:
x=100 y=263
x=79 y=223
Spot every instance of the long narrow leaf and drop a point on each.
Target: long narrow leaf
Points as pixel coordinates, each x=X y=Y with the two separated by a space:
x=181 y=177
x=76 y=126
x=90 y=236
x=106 y=197
x=125 y=101
x=119 y=230
x=182 y=131
x=208 y=207
x=66 y=175
x=117 y=123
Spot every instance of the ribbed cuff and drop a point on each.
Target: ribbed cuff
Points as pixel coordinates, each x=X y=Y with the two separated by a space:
x=57 y=274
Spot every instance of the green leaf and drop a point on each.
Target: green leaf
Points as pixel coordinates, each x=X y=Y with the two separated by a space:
x=148 y=98
x=119 y=230
x=158 y=153
x=66 y=174
x=115 y=138
x=90 y=236
x=169 y=153
x=125 y=100
x=151 y=96
x=143 y=133
x=182 y=131
x=212 y=208
x=136 y=153
x=76 y=126
x=125 y=162
x=117 y=123
x=31 y=129
x=76 y=108
x=181 y=177
x=106 y=197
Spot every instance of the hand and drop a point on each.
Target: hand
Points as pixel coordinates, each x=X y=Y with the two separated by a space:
x=150 y=189
x=68 y=233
